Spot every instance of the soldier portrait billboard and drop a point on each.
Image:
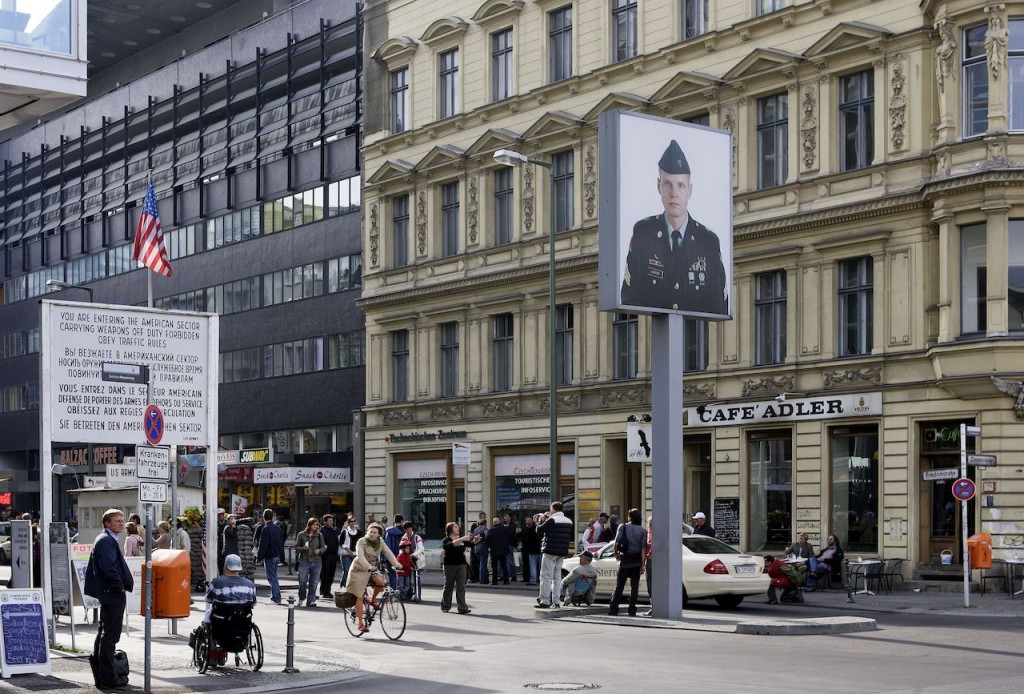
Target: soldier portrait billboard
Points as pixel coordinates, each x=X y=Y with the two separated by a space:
x=665 y=216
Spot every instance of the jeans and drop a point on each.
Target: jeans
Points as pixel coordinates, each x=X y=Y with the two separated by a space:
x=510 y=564
x=633 y=574
x=498 y=566
x=309 y=576
x=405 y=587
x=346 y=563
x=551 y=578
x=533 y=562
x=454 y=577
x=112 y=607
x=270 y=564
x=810 y=579
x=481 y=565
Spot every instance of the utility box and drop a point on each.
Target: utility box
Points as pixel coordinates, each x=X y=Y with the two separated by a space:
x=172 y=581
x=979 y=550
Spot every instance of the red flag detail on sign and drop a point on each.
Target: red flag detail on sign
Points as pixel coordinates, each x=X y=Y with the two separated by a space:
x=149 y=237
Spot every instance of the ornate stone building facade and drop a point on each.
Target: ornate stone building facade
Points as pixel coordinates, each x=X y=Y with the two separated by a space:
x=877 y=180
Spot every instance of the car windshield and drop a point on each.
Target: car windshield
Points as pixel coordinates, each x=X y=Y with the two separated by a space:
x=701 y=544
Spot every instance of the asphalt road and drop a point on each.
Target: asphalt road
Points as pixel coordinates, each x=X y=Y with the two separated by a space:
x=502 y=648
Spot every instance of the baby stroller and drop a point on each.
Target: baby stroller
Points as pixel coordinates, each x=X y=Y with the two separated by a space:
x=230 y=631
x=786 y=582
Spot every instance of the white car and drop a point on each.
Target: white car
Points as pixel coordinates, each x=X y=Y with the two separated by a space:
x=711 y=569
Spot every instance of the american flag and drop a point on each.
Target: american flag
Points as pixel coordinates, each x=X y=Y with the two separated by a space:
x=149 y=237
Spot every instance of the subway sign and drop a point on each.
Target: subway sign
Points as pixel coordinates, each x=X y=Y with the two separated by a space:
x=251 y=456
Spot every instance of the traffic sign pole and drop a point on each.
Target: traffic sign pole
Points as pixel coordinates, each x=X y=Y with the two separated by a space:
x=959 y=485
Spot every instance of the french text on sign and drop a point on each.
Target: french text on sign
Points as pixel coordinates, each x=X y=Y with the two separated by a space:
x=153 y=462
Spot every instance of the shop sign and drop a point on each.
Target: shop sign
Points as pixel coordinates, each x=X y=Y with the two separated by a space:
x=638 y=443
x=790 y=410
x=227 y=457
x=461 y=453
x=417 y=436
x=101 y=455
x=432 y=488
x=251 y=456
x=238 y=473
x=302 y=475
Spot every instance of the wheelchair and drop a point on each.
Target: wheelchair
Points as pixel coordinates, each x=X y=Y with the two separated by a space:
x=581 y=592
x=230 y=631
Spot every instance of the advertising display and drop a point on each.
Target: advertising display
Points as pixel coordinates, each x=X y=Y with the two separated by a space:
x=423 y=495
x=523 y=482
x=666 y=216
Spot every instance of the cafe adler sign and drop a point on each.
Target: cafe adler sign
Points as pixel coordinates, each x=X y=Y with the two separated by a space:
x=789 y=410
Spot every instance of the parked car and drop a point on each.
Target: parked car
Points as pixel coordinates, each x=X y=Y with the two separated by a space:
x=711 y=570
x=5 y=551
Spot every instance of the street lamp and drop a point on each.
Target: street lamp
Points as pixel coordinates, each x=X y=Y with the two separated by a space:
x=59 y=285
x=510 y=157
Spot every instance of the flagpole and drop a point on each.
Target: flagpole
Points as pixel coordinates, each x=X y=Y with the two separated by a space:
x=149 y=288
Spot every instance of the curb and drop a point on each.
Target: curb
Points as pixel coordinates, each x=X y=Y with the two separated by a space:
x=795 y=627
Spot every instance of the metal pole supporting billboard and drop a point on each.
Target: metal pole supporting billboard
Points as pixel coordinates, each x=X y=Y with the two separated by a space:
x=46 y=475
x=667 y=464
x=212 y=424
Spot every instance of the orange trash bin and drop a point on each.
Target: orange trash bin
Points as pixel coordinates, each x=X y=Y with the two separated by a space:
x=979 y=550
x=172 y=584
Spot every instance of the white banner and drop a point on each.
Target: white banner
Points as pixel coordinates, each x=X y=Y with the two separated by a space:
x=638 y=442
x=301 y=475
x=784 y=410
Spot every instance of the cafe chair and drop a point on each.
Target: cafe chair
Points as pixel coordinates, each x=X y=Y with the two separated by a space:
x=872 y=573
x=891 y=570
x=997 y=573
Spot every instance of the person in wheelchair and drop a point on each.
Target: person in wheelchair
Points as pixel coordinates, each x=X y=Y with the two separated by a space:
x=581 y=583
x=230 y=588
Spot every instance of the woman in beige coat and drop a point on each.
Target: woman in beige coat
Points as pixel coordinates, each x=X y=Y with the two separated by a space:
x=364 y=569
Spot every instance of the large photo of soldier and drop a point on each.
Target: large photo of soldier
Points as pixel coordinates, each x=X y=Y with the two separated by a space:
x=679 y=258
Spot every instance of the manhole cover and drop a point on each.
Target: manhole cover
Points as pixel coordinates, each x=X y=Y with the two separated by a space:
x=562 y=686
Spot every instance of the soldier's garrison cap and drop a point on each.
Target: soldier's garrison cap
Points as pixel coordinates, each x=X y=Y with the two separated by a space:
x=673 y=161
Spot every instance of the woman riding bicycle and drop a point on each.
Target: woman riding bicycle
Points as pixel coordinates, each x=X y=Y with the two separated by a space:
x=364 y=569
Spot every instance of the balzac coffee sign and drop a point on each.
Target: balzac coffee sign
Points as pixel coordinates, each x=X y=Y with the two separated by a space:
x=794 y=410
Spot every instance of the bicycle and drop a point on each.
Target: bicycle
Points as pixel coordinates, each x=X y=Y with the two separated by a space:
x=391 y=610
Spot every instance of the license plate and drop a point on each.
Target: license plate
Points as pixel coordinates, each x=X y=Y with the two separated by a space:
x=746 y=569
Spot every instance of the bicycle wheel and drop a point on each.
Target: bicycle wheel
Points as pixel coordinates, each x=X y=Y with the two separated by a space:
x=351 y=622
x=392 y=616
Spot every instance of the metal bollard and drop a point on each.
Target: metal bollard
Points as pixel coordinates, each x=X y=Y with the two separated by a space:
x=849 y=588
x=289 y=662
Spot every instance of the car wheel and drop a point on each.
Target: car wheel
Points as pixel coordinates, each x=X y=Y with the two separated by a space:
x=686 y=598
x=729 y=601
x=3 y=557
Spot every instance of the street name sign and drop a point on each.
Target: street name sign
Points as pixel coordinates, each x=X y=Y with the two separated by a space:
x=946 y=473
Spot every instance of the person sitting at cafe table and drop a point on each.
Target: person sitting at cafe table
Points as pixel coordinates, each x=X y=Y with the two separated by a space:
x=828 y=561
x=802 y=549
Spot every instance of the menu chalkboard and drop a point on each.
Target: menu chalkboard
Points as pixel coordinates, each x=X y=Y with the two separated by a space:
x=23 y=633
x=727 y=520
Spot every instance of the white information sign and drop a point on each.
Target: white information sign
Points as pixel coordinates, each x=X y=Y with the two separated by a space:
x=152 y=492
x=638 y=442
x=153 y=462
x=461 y=453
x=86 y=409
x=21 y=554
x=121 y=476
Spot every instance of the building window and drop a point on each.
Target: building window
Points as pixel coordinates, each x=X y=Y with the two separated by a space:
x=771 y=490
x=699 y=119
x=1016 y=73
x=768 y=6
x=449 y=89
x=399 y=366
x=624 y=29
x=770 y=317
x=856 y=120
x=695 y=342
x=974 y=280
x=855 y=487
x=624 y=345
x=449 y=219
x=1015 y=276
x=856 y=284
x=422 y=491
x=501 y=65
x=501 y=353
x=695 y=18
x=502 y=205
x=400 y=100
x=560 y=44
x=563 y=342
x=975 y=70
x=449 y=360
x=562 y=174
x=400 y=230
x=772 y=140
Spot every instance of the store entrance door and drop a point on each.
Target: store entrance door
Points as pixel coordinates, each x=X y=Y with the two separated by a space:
x=943 y=530
x=633 y=487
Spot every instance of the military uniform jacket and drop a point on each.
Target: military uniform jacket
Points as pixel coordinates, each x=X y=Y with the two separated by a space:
x=690 y=279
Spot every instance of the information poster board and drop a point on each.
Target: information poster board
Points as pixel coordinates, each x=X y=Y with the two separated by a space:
x=60 y=568
x=80 y=562
x=726 y=520
x=21 y=554
x=134 y=602
x=24 y=647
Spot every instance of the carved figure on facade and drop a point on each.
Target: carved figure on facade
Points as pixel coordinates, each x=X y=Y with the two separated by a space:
x=728 y=123
x=898 y=107
x=399 y=417
x=528 y=195
x=944 y=53
x=996 y=39
x=501 y=407
x=421 y=222
x=702 y=390
x=809 y=128
x=768 y=383
x=472 y=208
x=453 y=412
x=565 y=402
x=374 y=235
x=834 y=378
x=1015 y=389
x=589 y=181
x=616 y=397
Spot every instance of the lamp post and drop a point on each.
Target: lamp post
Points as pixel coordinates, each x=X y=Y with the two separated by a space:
x=59 y=285
x=512 y=158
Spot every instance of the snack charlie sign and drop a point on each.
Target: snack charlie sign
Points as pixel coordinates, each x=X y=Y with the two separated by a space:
x=78 y=339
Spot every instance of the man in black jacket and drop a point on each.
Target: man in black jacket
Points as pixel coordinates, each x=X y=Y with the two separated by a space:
x=330 y=557
x=109 y=580
x=497 y=546
x=555 y=539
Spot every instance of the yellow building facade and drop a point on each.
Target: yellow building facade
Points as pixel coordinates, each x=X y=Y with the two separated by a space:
x=878 y=279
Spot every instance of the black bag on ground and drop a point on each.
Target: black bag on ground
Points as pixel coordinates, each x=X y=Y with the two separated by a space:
x=121 y=667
